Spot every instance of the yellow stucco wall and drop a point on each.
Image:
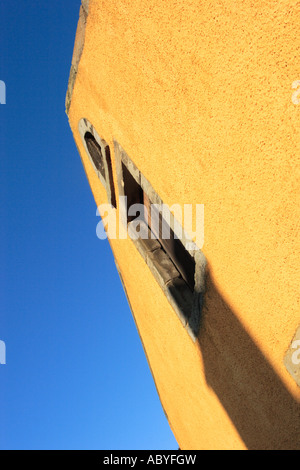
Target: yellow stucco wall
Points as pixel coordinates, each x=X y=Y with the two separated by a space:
x=199 y=94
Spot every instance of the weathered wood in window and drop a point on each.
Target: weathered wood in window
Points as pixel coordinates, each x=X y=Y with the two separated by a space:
x=180 y=257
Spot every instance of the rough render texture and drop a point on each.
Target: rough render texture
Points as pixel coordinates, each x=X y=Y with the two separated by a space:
x=199 y=96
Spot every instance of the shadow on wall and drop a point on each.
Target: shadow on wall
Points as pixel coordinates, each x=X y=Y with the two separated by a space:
x=258 y=403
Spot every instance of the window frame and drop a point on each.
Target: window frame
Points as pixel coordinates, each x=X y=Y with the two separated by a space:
x=84 y=127
x=186 y=303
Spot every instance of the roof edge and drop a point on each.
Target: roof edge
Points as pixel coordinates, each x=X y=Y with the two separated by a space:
x=77 y=52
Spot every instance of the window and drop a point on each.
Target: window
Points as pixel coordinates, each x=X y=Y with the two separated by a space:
x=178 y=270
x=95 y=152
x=99 y=154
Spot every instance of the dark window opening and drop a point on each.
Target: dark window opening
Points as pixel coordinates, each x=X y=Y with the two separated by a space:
x=95 y=152
x=132 y=190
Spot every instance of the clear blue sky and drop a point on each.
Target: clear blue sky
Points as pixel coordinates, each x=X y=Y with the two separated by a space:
x=76 y=374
